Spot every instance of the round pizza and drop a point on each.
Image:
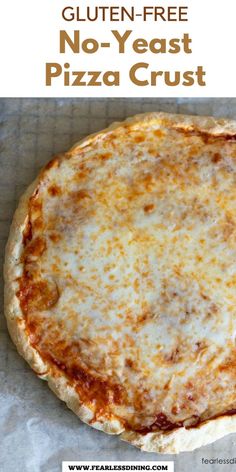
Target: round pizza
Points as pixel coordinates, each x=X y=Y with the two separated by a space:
x=121 y=280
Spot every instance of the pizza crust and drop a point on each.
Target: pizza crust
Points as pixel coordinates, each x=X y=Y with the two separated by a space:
x=182 y=439
x=171 y=442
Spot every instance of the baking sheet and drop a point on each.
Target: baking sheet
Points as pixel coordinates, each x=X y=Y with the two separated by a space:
x=37 y=431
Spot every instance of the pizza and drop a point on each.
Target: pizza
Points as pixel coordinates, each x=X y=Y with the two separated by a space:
x=120 y=279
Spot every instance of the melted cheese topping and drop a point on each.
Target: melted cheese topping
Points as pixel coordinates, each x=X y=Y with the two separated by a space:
x=129 y=274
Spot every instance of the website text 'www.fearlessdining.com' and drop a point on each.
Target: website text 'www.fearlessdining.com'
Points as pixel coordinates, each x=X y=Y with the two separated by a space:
x=94 y=466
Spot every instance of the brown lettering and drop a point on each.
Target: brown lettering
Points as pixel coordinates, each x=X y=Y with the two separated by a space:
x=74 y=44
x=53 y=69
x=121 y=39
x=132 y=74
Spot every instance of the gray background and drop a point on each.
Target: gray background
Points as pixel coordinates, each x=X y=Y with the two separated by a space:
x=37 y=431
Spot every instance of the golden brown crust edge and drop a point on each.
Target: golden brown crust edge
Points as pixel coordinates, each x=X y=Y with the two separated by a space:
x=16 y=324
x=204 y=124
x=171 y=442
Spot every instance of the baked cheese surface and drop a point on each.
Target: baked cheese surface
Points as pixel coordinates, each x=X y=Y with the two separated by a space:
x=129 y=274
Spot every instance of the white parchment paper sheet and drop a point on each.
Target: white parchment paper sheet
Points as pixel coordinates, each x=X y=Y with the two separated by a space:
x=37 y=431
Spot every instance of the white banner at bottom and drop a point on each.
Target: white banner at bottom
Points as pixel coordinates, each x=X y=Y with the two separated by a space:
x=110 y=466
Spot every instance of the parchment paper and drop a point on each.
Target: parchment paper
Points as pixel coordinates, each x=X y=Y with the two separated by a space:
x=37 y=431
